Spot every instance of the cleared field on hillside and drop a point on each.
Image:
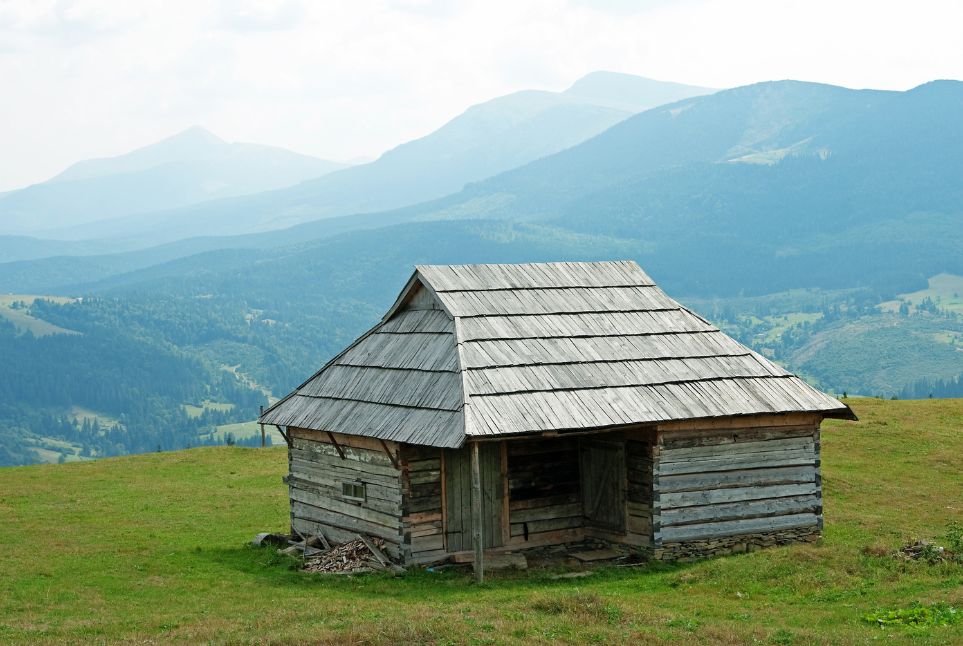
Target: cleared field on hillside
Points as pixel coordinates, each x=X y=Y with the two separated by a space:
x=151 y=548
x=26 y=323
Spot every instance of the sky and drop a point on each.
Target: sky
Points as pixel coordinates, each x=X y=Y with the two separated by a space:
x=348 y=80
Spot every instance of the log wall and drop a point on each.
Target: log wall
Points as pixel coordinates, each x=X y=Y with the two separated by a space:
x=422 y=504
x=544 y=500
x=715 y=484
x=316 y=474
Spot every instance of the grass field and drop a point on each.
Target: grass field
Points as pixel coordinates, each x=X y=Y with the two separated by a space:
x=944 y=289
x=26 y=323
x=152 y=549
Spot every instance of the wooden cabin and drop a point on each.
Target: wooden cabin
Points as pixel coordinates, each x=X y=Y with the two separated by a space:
x=504 y=407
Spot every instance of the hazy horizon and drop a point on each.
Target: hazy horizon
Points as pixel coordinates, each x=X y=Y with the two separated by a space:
x=343 y=83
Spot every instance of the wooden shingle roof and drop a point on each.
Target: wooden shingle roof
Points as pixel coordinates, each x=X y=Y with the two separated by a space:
x=490 y=350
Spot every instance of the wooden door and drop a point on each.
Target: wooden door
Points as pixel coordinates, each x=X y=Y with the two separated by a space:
x=457 y=476
x=602 y=466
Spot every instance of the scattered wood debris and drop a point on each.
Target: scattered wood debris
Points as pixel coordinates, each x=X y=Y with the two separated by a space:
x=364 y=554
x=360 y=555
x=923 y=551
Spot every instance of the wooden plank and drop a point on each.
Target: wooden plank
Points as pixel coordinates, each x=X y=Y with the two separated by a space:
x=734 y=462
x=553 y=537
x=353 y=441
x=478 y=565
x=725 y=448
x=427 y=543
x=347 y=525
x=547 y=501
x=742 y=509
x=723 y=479
x=345 y=509
x=544 y=513
x=313 y=479
x=374 y=550
x=677 y=428
x=736 y=527
x=549 y=524
x=304 y=468
x=375 y=461
x=308 y=493
x=504 y=520
x=735 y=494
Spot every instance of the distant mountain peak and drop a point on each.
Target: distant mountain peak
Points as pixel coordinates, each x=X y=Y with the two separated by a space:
x=195 y=133
x=631 y=92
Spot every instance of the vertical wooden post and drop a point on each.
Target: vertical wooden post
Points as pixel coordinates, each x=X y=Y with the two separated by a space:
x=476 y=514
x=262 y=427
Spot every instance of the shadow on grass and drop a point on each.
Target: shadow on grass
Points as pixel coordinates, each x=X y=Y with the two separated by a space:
x=269 y=569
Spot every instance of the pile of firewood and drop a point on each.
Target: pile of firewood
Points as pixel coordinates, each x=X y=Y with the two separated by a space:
x=352 y=557
x=363 y=554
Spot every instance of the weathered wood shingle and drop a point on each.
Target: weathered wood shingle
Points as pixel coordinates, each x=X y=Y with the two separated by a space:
x=487 y=350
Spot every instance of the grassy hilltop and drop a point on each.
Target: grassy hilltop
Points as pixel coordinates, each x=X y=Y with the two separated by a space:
x=152 y=548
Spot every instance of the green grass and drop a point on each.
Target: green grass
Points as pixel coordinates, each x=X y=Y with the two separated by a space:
x=194 y=410
x=24 y=322
x=946 y=290
x=152 y=548
x=242 y=430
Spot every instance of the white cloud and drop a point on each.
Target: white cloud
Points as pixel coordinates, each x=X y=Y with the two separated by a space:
x=340 y=80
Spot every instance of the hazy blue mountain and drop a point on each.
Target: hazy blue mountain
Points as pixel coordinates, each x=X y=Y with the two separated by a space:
x=751 y=190
x=818 y=185
x=855 y=195
x=486 y=139
x=192 y=166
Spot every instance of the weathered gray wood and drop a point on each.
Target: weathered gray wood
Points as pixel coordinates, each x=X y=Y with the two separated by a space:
x=341 y=535
x=736 y=494
x=318 y=479
x=736 y=527
x=727 y=449
x=309 y=492
x=743 y=509
x=392 y=520
x=549 y=524
x=542 y=513
x=734 y=461
x=750 y=477
x=344 y=522
x=477 y=515
x=603 y=483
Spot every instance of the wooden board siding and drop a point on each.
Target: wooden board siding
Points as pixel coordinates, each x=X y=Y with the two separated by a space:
x=458 y=511
x=603 y=477
x=316 y=474
x=712 y=482
x=638 y=461
x=422 y=504
x=544 y=498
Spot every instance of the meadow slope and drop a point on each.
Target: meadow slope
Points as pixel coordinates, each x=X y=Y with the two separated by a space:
x=152 y=548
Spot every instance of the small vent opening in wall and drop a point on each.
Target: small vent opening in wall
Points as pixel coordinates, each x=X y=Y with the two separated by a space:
x=353 y=491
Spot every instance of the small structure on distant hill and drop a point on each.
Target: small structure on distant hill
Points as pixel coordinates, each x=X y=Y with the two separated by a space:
x=502 y=407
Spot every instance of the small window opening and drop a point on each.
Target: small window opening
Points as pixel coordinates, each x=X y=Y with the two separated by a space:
x=353 y=490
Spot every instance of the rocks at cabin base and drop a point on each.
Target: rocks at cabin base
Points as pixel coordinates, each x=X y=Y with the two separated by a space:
x=692 y=550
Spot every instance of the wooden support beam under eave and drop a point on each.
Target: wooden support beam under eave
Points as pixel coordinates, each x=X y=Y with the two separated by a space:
x=476 y=509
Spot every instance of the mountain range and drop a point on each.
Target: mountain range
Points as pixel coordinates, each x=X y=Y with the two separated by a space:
x=486 y=139
x=190 y=167
x=797 y=215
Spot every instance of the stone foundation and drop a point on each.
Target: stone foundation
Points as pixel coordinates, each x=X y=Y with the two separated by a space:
x=692 y=550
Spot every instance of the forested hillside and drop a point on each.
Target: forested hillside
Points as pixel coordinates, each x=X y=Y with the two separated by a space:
x=820 y=225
